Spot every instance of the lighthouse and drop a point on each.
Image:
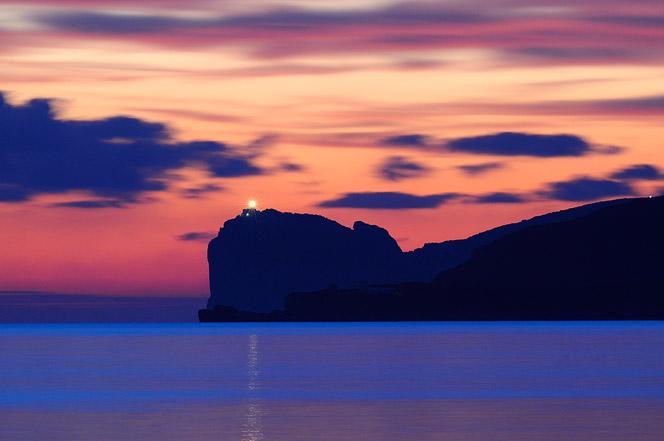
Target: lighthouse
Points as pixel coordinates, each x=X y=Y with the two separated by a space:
x=251 y=208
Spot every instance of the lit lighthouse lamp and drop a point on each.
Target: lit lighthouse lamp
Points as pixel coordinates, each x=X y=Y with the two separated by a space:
x=251 y=208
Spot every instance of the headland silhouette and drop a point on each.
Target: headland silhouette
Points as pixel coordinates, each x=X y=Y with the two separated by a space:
x=594 y=262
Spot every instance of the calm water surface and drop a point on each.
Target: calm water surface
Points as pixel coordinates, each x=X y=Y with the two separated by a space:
x=467 y=381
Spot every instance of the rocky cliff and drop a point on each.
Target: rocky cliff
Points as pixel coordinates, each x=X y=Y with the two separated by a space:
x=260 y=257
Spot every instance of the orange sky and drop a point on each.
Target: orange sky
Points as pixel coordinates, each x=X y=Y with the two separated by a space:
x=331 y=88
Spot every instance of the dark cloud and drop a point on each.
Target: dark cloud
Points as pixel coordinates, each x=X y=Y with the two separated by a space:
x=586 y=189
x=499 y=198
x=102 y=23
x=409 y=140
x=195 y=236
x=388 y=200
x=92 y=204
x=200 y=191
x=283 y=21
x=503 y=144
x=522 y=144
x=478 y=169
x=639 y=172
x=114 y=159
x=397 y=168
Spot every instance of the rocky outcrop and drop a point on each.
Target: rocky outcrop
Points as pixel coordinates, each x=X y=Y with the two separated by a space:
x=260 y=257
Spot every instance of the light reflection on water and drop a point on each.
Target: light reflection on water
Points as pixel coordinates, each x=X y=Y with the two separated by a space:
x=364 y=382
x=253 y=430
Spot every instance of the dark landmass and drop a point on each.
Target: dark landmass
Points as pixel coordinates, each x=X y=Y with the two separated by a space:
x=600 y=261
x=260 y=257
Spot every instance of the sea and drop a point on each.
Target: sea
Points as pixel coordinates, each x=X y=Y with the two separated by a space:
x=512 y=381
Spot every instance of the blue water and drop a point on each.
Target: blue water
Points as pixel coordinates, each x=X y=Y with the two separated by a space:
x=361 y=382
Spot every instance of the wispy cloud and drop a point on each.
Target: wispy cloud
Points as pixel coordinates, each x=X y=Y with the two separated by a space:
x=195 y=236
x=584 y=33
x=397 y=168
x=481 y=168
x=92 y=204
x=630 y=106
x=498 y=198
x=586 y=189
x=388 y=200
x=646 y=172
x=200 y=191
x=407 y=140
x=288 y=166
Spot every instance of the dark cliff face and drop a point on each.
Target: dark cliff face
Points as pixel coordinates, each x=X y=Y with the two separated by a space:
x=260 y=257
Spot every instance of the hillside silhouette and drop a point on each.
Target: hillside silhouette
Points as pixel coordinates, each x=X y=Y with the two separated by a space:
x=599 y=261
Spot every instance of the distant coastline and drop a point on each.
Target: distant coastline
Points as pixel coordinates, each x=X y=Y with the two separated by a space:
x=44 y=307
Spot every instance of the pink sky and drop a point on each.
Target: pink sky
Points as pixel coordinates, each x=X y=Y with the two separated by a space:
x=351 y=109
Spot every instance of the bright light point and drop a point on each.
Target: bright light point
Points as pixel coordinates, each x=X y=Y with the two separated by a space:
x=252 y=204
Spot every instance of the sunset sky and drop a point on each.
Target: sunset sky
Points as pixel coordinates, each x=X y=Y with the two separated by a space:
x=130 y=131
